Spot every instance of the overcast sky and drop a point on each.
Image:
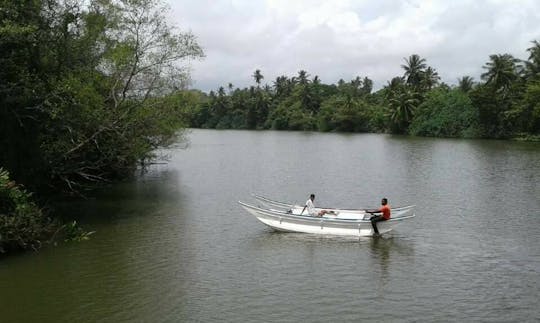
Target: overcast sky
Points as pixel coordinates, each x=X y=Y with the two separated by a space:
x=345 y=38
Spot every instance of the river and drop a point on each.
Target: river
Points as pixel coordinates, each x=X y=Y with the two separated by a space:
x=172 y=245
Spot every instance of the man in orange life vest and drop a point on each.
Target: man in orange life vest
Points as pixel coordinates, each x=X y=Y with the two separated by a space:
x=385 y=215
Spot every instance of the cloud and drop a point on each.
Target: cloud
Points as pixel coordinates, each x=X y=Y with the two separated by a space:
x=344 y=39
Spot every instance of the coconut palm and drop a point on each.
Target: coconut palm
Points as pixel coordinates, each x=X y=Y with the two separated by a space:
x=282 y=86
x=258 y=77
x=465 y=83
x=403 y=103
x=303 y=77
x=356 y=83
x=533 y=64
x=367 y=86
x=430 y=78
x=414 y=69
x=393 y=86
x=502 y=70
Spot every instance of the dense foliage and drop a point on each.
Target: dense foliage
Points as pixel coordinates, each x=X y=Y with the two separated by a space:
x=505 y=104
x=88 y=91
x=89 y=88
x=22 y=223
x=446 y=113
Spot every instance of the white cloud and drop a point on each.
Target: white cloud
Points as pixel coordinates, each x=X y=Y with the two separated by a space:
x=345 y=39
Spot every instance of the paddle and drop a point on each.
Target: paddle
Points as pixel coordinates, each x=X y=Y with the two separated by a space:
x=305 y=206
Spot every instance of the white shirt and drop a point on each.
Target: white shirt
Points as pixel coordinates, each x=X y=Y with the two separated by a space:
x=311 y=208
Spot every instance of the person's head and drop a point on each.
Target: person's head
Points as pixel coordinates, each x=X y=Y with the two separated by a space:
x=312 y=197
x=384 y=201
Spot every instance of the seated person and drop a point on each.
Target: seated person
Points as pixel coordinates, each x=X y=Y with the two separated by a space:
x=385 y=215
x=311 y=208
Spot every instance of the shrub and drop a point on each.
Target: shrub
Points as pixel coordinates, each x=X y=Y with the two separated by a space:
x=446 y=114
x=23 y=225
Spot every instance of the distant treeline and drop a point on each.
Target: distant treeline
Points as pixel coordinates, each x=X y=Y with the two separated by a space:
x=504 y=104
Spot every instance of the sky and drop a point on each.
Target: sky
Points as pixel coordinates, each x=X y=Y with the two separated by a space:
x=343 y=39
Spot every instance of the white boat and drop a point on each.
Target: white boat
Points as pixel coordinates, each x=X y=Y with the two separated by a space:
x=340 y=222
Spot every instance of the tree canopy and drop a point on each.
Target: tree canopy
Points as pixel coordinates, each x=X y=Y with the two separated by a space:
x=88 y=88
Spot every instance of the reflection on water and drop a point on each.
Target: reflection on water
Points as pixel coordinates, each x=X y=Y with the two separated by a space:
x=173 y=245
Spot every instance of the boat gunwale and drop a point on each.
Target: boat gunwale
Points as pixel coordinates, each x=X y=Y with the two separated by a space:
x=277 y=213
x=288 y=205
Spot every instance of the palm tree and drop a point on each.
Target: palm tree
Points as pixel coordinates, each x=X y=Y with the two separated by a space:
x=367 y=86
x=348 y=113
x=533 y=64
x=414 y=68
x=220 y=103
x=393 y=86
x=258 y=77
x=465 y=84
x=356 y=83
x=502 y=70
x=431 y=78
x=221 y=91
x=395 y=83
x=303 y=77
x=403 y=103
x=282 y=86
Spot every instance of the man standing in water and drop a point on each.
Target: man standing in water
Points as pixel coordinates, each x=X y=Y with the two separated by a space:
x=385 y=215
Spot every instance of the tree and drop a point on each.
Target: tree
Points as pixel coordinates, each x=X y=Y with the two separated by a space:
x=402 y=104
x=394 y=84
x=497 y=99
x=350 y=115
x=533 y=63
x=502 y=70
x=445 y=114
x=414 y=69
x=367 y=86
x=532 y=112
x=491 y=107
x=23 y=225
x=465 y=83
x=282 y=86
x=258 y=77
x=430 y=78
x=100 y=74
x=303 y=78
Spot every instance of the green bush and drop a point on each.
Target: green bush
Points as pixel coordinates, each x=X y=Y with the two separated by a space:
x=23 y=226
x=446 y=114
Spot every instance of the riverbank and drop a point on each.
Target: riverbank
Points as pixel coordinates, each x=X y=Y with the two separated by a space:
x=25 y=226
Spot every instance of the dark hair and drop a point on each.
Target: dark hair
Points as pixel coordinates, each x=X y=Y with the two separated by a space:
x=385 y=199
x=312 y=196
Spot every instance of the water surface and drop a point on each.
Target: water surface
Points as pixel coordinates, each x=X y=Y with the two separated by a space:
x=173 y=245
